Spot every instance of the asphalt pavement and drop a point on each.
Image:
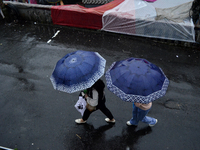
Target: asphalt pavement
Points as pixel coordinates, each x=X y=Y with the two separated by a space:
x=34 y=116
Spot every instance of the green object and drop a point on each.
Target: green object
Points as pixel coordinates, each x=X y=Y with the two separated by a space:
x=84 y=91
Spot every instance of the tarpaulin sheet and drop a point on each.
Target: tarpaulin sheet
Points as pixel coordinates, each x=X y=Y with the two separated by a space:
x=79 y=16
x=137 y=17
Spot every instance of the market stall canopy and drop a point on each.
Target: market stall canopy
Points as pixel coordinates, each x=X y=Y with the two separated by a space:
x=132 y=17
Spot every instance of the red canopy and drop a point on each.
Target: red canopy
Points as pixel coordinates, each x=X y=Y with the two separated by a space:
x=79 y=16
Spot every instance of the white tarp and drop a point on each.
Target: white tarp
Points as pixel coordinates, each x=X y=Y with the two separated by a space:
x=137 y=17
x=177 y=13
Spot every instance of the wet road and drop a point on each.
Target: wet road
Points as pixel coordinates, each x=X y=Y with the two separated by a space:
x=36 y=117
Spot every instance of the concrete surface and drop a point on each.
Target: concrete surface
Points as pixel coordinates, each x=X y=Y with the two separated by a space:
x=34 y=116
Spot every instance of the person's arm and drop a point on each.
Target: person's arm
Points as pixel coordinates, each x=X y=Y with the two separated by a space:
x=92 y=101
x=143 y=106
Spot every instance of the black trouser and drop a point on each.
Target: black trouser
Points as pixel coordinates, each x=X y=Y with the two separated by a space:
x=103 y=109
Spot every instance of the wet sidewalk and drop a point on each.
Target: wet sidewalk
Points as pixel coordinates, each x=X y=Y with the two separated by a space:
x=36 y=117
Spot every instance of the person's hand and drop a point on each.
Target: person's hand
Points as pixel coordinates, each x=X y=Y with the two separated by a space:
x=86 y=96
x=137 y=104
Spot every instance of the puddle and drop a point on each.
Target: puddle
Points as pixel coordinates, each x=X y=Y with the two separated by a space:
x=171 y=104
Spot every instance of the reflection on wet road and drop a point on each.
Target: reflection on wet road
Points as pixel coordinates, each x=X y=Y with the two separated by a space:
x=35 y=116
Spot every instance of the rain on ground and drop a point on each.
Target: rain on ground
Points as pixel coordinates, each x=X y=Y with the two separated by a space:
x=34 y=116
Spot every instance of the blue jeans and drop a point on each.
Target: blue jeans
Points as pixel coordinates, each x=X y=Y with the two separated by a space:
x=140 y=115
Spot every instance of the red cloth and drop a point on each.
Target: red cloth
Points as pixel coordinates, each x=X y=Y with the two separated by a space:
x=79 y=16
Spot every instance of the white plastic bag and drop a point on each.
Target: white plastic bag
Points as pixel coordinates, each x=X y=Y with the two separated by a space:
x=80 y=105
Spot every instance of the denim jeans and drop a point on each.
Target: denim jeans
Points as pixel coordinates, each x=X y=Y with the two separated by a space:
x=140 y=115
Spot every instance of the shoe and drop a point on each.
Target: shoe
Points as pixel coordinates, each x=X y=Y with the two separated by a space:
x=109 y=121
x=151 y=125
x=79 y=121
x=129 y=124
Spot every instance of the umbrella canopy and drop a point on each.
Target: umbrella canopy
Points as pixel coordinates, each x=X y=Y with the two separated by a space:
x=136 y=80
x=77 y=71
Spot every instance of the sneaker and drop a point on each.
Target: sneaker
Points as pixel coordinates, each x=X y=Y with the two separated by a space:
x=109 y=121
x=151 y=125
x=129 y=124
x=79 y=121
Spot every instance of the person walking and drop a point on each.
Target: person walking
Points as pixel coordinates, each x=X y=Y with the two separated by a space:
x=95 y=98
x=140 y=112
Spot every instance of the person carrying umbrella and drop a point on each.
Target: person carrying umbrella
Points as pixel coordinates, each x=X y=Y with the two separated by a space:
x=139 y=81
x=81 y=70
x=95 y=98
x=139 y=114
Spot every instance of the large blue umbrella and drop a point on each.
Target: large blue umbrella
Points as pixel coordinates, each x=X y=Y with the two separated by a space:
x=77 y=71
x=136 y=80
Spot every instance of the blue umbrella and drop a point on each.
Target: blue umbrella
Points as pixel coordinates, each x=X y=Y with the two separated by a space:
x=77 y=71
x=136 y=80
